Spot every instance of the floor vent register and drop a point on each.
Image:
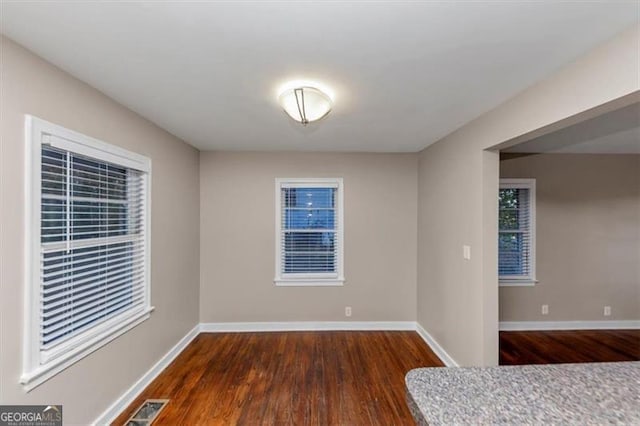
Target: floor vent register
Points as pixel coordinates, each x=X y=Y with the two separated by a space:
x=147 y=412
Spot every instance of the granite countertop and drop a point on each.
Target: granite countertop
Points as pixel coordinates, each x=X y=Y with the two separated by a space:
x=595 y=393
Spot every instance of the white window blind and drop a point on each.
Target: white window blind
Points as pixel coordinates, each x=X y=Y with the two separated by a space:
x=93 y=248
x=309 y=230
x=88 y=231
x=516 y=230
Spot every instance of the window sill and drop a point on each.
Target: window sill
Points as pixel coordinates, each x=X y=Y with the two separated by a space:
x=517 y=283
x=314 y=282
x=44 y=372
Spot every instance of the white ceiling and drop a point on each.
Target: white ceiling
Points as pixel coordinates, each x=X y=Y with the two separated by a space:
x=617 y=132
x=404 y=73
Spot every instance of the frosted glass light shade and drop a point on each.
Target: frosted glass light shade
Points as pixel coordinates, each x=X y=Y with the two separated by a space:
x=305 y=104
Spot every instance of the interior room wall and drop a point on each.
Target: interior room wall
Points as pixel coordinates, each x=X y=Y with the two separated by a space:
x=30 y=85
x=458 y=180
x=237 y=246
x=587 y=238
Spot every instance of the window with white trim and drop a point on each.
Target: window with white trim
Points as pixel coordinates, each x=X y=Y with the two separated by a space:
x=309 y=231
x=516 y=226
x=89 y=256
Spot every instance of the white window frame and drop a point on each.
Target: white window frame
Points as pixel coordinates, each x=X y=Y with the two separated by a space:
x=516 y=280
x=310 y=279
x=39 y=366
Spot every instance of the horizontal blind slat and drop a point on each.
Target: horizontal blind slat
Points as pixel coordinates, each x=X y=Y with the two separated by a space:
x=74 y=293
x=80 y=304
x=80 y=324
x=110 y=261
x=64 y=259
x=94 y=242
x=53 y=285
x=85 y=313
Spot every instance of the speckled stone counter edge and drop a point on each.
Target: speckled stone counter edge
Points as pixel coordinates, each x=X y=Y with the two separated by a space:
x=527 y=394
x=418 y=416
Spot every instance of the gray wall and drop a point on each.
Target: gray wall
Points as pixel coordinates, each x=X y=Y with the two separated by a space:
x=587 y=238
x=458 y=183
x=237 y=222
x=32 y=86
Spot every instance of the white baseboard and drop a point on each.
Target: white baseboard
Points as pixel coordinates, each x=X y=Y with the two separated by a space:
x=218 y=327
x=569 y=325
x=435 y=346
x=127 y=398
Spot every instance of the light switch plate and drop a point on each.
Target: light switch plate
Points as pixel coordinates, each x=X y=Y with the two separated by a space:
x=466 y=252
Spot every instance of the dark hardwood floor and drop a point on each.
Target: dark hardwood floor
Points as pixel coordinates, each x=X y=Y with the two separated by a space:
x=294 y=378
x=553 y=347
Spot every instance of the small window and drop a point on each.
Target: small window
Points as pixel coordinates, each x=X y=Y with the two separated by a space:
x=309 y=232
x=516 y=225
x=89 y=275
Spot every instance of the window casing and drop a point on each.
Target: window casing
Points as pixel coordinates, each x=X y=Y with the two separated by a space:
x=87 y=234
x=517 y=232
x=309 y=232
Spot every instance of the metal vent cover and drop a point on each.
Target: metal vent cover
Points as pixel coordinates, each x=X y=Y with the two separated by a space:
x=147 y=412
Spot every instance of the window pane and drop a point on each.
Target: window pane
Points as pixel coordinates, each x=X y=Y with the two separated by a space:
x=84 y=287
x=95 y=179
x=97 y=219
x=305 y=212
x=86 y=199
x=309 y=197
x=514 y=242
x=509 y=219
x=510 y=259
x=297 y=263
x=103 y=198
x=309 y=252
x=53 y=217
x=309 y=219
x=54 y=172
x=54 y=188
x=509 y=198
x=309 y=242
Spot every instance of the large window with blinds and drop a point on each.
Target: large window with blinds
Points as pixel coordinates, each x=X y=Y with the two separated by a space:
x=309 y=232
x=516 y=226
x=90 y=257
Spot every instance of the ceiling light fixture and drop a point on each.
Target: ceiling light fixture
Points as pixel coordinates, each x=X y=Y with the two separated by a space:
x=305 y=103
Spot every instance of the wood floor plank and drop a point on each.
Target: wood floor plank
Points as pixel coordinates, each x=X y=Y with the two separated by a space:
x=334 y=378
x=292 y=378
x=552 y=347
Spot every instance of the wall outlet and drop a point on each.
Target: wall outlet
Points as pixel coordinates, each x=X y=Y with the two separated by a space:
x=347 y=311
x=466 y=252
x=545 y=309
x=607 y=311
